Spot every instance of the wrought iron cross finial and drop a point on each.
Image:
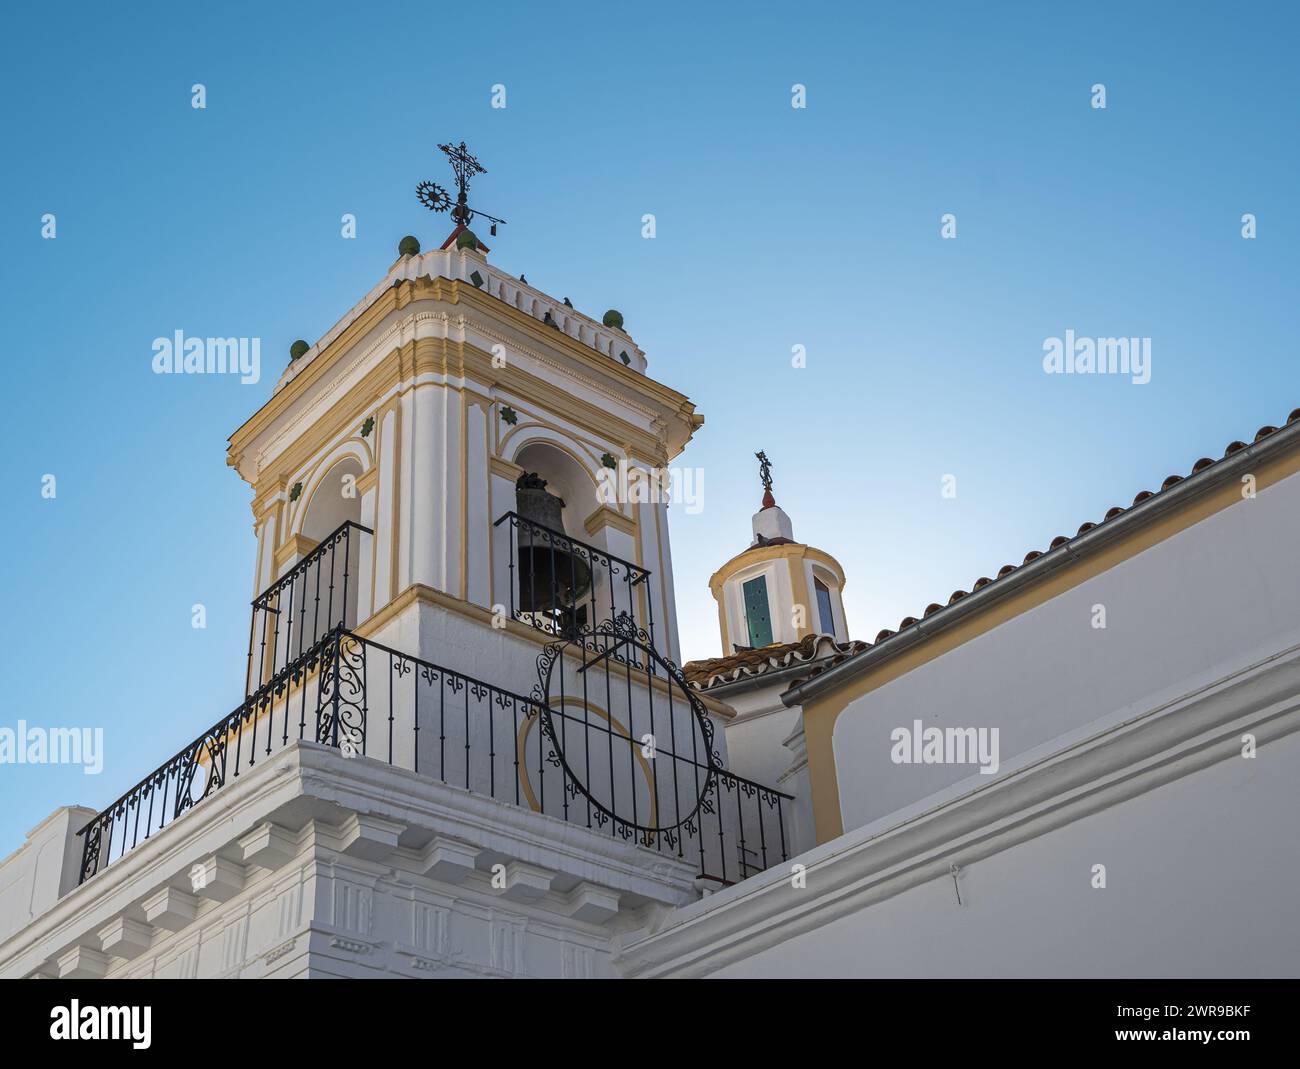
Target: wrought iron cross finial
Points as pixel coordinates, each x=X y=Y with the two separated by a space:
x=465 y=166
x=764 y=470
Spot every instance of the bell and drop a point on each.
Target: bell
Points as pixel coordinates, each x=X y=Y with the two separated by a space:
x=551 y=577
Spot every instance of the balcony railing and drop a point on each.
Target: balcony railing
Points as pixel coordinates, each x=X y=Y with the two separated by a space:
x=313 y=598
x=557 y=754
x=563 y=587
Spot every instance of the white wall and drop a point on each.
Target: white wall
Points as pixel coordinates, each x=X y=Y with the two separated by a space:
x=1192 y=610
x=756 y=736
x=1201 y=881
x=46 y=866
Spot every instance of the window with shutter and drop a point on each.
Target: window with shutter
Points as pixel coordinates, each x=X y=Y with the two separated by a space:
x=824 y=607
x=756 y=612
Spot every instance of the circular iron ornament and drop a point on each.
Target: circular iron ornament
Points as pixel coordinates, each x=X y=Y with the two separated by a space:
x=626 y=649
x=433 y=196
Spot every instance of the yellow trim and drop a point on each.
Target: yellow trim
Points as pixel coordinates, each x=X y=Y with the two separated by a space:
x=507 y=469
x=295 y=546
x=318 y=474
x=762 y=554
x=821 y=712
x=799 y=588
x=728 y=647
x=368 y=479
x=604 y=516
x=464 y=494
x=572 y=434
x=563 y=446
x=460 y=360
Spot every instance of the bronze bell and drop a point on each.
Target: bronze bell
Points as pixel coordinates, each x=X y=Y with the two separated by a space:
x=552 y=578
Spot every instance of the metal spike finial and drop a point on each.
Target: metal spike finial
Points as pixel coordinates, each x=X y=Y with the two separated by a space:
x=465 y=166
x=765 y=477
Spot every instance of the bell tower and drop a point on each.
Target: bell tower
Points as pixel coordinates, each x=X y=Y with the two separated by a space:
x=778 y=590
x=465 y=746
x=457 y=425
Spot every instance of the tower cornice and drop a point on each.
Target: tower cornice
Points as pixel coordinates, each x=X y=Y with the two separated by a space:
x=458 y=312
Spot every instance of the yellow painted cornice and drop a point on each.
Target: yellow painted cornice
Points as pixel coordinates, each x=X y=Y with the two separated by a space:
x=762 y=554
x=454 y=293
x=296 y=545
x=368 y=480
x=453 y=360
x=505 y=468
x=608 y=517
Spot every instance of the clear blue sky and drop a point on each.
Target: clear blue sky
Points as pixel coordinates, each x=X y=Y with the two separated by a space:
x=776 y=227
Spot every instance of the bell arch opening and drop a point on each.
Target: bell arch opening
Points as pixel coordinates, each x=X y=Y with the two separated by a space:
x=335 y=500
x=554 y=569
x=319 y=586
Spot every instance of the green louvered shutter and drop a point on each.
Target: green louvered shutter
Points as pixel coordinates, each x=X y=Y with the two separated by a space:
x=756 y=612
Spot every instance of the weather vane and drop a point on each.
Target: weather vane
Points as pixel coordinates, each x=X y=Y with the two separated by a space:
x=437 y=199
x=764 y=470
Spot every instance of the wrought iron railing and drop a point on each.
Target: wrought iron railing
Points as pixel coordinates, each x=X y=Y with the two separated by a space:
x=313 y=598
x=545 y=752
x=547 y=588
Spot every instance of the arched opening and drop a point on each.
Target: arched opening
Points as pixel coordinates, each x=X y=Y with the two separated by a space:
x=335 y=500
x=555 y=572
x=319 y=586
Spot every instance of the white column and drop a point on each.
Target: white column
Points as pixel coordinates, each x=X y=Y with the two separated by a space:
x=423 y=489
x=266 y=528
x=502 y=489
x=450 y=502
x=387 y=492
x=365 y=556
x=478 y=520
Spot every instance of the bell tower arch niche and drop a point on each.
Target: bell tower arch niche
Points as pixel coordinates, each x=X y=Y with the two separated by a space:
x=558 y=569
x=323 y=567
x=335 y=499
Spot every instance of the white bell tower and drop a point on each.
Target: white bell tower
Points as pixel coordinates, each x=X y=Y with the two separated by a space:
x=464 y=746
x=416 y=417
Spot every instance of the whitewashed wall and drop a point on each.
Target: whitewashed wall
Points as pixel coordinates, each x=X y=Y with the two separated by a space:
x=1200 y=606
x=1200 y=881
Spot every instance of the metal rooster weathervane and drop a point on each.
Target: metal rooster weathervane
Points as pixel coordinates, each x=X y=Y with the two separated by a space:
x=437 y=199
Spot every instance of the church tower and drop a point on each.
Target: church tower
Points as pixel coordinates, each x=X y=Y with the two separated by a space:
x=464 y=745
x=446 y=444
x=777 y=591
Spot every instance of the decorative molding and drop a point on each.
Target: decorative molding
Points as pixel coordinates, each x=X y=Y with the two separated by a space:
x=507 y=469
x=605 y=516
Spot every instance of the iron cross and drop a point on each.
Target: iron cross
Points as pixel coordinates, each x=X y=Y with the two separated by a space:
x=465 y=166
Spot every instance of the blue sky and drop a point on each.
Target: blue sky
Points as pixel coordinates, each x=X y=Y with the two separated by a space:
x=775 y=227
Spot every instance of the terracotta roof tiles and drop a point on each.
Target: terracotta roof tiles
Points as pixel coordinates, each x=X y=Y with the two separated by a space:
x=1059 y=540
x=715 y=671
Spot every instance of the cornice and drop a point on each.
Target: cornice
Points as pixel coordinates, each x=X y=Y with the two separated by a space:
x=334 y=359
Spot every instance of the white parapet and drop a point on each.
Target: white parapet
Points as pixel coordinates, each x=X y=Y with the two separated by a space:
x=315 y=864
